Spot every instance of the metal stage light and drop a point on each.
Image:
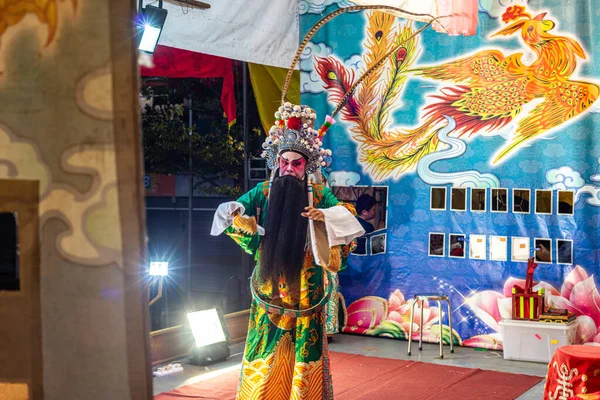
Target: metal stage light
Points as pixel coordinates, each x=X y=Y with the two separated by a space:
x=210 y=336
x=150 y=25
x=159 y=268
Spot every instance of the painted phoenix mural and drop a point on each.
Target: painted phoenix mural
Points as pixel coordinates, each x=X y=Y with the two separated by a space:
x=513 y=109
x=485 y=91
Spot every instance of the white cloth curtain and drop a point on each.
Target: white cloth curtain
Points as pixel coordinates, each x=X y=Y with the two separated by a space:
x=258 y=31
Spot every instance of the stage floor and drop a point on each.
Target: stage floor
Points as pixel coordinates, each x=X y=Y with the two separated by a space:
x=377 y=347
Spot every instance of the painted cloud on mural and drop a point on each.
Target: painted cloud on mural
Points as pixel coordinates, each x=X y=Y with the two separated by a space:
x=318 y=6
x=20 y=158
x=94 y=94
x=93 y=236
x=310 y=81
x=343 y=178
x=565 y=178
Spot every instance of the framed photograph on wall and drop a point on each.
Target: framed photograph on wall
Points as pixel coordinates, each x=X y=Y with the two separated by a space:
x=458 y=199
x=566 y=201
x=521 y=201
x=437 y=243
x=564 y=251
x=438 y=198
x=457 y=245
x=499 y=200
x=361 y=246
x=543 y=250
x=520 y=249
x=543 y=201
x=378 y=244
x=477 y=247
x=478 y=199
x=370 y=202
x=498 y=248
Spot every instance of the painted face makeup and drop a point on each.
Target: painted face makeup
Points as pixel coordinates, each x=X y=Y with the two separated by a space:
x=291 y=163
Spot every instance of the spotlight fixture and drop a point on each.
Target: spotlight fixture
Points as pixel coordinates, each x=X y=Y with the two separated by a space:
x=159 y=268
x=150 y=25
x=210 y=336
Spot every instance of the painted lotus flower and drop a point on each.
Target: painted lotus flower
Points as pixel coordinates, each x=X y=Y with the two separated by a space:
x=364 y=314
x=578 y=294
x=399 y=311
x=377 y=316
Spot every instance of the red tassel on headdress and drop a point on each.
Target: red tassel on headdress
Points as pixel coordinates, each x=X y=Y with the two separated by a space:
x=294 y=123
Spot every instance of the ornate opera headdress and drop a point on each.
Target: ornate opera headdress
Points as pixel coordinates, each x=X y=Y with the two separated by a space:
x=294 y=125
x=294 y=131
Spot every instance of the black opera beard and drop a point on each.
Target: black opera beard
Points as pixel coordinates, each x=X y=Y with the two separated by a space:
x=283 y=245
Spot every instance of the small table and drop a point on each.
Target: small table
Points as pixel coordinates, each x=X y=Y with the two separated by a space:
x=573 y=370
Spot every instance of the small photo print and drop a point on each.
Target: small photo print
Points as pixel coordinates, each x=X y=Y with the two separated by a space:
x=498 y=248
x=543 y=201
x=458 y=199
x=499 y=201
x=478 y=199
x=378 y=244
x=564 y=251
x=521 y=199
x=370 y=203
x=543 y=250
x=438 y=198
x=457 y=245
x=565 y=202
x=436 y=244
x=361 y=246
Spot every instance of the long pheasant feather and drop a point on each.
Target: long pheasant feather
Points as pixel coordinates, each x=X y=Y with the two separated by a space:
x=379 y=41
x=337 y=80
x=399 y=151
x=400 y=61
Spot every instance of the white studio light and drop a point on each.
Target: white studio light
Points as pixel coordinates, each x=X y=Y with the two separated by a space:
x=150 y=24
x=206 y=327
x=211 y=336
x=159 y=268
x=149 y=38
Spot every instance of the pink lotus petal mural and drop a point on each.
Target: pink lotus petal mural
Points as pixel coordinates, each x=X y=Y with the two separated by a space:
x=377 y=316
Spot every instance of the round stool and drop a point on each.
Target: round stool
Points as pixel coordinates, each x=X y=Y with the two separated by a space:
x=430 y=297
x=573 y=370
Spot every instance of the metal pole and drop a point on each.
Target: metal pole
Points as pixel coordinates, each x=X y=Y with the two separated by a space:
x=246 y=259
x=245 y=124
x=190 y=206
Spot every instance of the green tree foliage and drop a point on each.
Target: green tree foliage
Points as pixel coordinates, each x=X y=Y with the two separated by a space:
x=217 y=151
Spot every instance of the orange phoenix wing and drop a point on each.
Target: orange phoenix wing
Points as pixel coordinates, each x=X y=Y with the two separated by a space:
x=564 y=100
x=480 y=68
x=491 y=92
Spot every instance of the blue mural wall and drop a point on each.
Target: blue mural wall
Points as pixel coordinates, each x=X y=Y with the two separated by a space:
x=472 y=135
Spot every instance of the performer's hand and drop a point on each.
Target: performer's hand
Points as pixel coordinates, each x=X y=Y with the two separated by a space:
x=313 y=214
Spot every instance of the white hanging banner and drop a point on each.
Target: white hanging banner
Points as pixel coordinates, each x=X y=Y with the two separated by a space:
x=457 y=17
x=414 y=6
x=258 y=31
